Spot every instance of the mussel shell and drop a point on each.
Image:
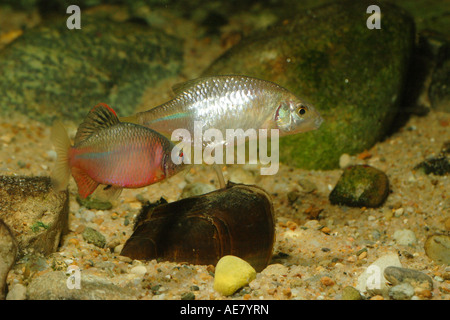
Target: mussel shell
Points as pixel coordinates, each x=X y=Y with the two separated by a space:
x=236 y=220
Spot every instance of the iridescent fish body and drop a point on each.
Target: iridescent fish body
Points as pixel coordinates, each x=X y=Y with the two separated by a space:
x=231 y=102
x=111 y=153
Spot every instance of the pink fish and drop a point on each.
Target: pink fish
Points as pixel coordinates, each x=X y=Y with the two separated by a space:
x=112 y=153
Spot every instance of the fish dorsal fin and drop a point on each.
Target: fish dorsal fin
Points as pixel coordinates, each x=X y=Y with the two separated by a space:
x=100 y=117
x=181 y=87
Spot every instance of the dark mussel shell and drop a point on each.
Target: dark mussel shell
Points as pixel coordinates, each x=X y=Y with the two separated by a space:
x=237 y=220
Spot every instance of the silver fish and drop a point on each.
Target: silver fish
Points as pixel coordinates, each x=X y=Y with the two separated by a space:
x=231 y=102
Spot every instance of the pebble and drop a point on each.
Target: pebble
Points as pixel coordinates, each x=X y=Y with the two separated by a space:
x=307 y=185
x=232 y=273
x=93 y=236
x=403 y=291
x=419 y=280
x=372 y=279
x=437 y=248
x=361 y=186
x=405 y=237
x=350 y=293
x=139 y=270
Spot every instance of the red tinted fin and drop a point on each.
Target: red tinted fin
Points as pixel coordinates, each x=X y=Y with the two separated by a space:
x=100 y=117
x=85 y=183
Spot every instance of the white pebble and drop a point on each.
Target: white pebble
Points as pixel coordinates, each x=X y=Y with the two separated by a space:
x=139 y=270
x=398 y=212
x=405 y=237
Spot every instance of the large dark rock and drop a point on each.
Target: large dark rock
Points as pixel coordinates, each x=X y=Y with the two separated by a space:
x=51 y=71
x=327 y=55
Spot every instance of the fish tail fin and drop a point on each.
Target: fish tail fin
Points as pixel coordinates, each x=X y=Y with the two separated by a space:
x=86 y=185
x=131 y=119
x=61 y=173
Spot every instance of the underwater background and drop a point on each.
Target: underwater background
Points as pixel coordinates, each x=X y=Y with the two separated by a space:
x=370 y=187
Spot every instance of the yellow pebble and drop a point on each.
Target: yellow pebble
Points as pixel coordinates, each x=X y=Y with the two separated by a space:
x=231 y=274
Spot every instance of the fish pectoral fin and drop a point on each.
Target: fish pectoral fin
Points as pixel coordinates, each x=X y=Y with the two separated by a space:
x=108 y=193
x=86 y=185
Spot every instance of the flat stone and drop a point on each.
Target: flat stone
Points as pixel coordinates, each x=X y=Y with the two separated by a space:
x=417 y=279
x=437 y=248
x=36 y=215
x=56 y=285
x=372 y=280
x=405 y=237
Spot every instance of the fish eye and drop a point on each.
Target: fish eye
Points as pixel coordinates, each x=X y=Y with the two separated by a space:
x=301 y=110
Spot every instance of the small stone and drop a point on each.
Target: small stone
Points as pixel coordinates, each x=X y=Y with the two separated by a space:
x=139 y=270
x=307 y=186
x=372 y=279
x=232 y=273
x=403 y=291
x=361 y=186
x=398 y=212
x=405 y=237
x=94 y=203
x=327 y=281
x=417 y=279
x=350 y=293
x=437 y=248
x=188 y=296
x=93 y=236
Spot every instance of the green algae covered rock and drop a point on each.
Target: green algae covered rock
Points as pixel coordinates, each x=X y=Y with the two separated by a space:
x=51 y=71
x=361 y=186
x=327 y=55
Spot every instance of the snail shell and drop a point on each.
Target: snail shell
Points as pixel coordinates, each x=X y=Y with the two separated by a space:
x=237 y=220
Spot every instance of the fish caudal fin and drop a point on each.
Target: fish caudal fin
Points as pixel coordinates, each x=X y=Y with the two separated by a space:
x=61 y=173
x=86 y=185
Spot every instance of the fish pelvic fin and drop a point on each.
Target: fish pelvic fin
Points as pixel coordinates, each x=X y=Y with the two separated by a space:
x=107 y=192
x=86 y=185
x=130 y=119
x=100 y=117
x=61 y=173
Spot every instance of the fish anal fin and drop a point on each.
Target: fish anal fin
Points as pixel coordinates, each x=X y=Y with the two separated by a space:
x=100 y=117
x=86 y=185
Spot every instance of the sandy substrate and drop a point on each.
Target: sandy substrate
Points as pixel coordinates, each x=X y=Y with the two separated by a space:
x=310 y=262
